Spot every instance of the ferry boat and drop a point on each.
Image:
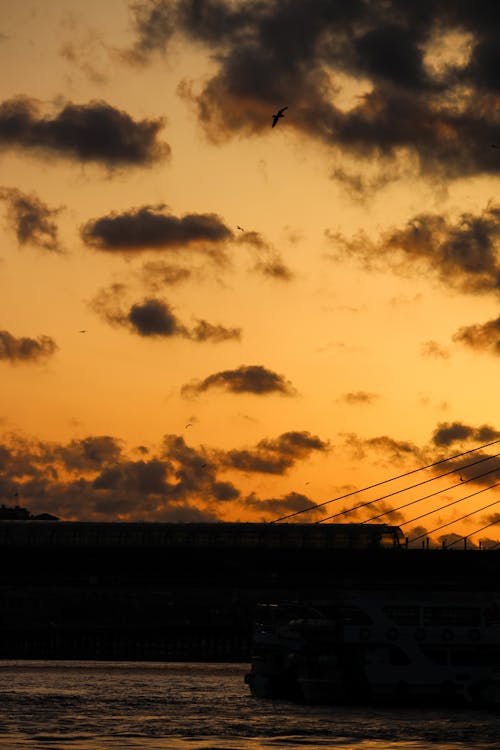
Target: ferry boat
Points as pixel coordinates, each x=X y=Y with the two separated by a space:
x=379 y=648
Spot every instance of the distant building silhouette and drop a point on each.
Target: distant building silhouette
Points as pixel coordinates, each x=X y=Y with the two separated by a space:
x=22 y=514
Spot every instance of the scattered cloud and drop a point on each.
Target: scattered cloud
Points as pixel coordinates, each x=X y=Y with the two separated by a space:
x=255 y=379
x=94 y=132
x=393 y=450
x=31 y=219
x=268 y=260
x=152 y=20
x=25 y=349
x=418 y=100
x=481 y=337
x=447 y=433
x=434 y=350
x=155 y=275
x=274 y=456
x=97 y=478
x=463 y=255
x=154 y=227
x=358 y=397
x=155 y=318
x=272 y=508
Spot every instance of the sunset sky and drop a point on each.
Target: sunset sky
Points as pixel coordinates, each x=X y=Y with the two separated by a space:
x=206 y=318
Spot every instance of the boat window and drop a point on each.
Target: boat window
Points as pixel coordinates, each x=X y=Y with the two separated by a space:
x=452 y=616
x=403 y=615
x=387 y=539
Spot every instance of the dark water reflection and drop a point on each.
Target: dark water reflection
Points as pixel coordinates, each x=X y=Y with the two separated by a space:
x=153 y=706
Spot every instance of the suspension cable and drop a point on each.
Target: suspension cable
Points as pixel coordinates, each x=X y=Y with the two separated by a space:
x=448 y=505
x=433 y=494
x=492 y=523
x=404 y=489
x=455 y=520
x=386 y=481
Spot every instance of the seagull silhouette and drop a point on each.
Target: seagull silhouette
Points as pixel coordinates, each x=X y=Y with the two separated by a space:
x=240 y=228
x=82 y=331
x=277 y=116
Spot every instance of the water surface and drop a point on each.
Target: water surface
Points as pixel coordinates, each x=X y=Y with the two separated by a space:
x=158 y=706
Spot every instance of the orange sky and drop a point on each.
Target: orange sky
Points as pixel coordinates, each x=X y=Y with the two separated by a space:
x=272 y=316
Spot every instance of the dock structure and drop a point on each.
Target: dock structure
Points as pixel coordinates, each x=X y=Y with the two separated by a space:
x=188 y=592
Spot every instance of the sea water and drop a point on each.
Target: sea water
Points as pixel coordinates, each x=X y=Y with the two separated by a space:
x=159 y=706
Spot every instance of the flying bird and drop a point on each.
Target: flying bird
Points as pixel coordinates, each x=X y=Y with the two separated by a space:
x=82 y=331
x=277 y=116
x=494 y=145
x=240 y=228
x=188 y=425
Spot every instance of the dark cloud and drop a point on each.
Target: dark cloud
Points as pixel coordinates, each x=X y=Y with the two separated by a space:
x=434 y=350
x=90 y=453
x=142 y=477
x=94 y=132
x=204 y=331
x=463 y=255
x=25 y=349
x=31 y=219
x=95 y=478
x=267 y=260
x=295 y=53
x=154 y=318
x=394 y=450
x=479 y=468
x=153 y=227
x=157 y=274
x=276 y=507
x=358 y=397
x=153 y=25
x=274 y=456
x=447 y=433
x=482 y=336
x=255 y=379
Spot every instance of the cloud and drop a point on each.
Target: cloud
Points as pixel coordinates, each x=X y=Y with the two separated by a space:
x=443 y=116
x=93 y=132
x=25 y=349
x=155 y=318
x=463 y=255
x=274 y=456
x=447 y=433
x=153 y=26
x=434 y=350
x=204 y=331
x=482 y=336
x=156 y=228
x=394 y=450
x=480 y=468
x=31 y=219
x=90 y=453
x=268 y=260
x=97 y=478
x=157 y=274
x=277 y=507
x=153 y=227
x=255 y=379
x=359 y=397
